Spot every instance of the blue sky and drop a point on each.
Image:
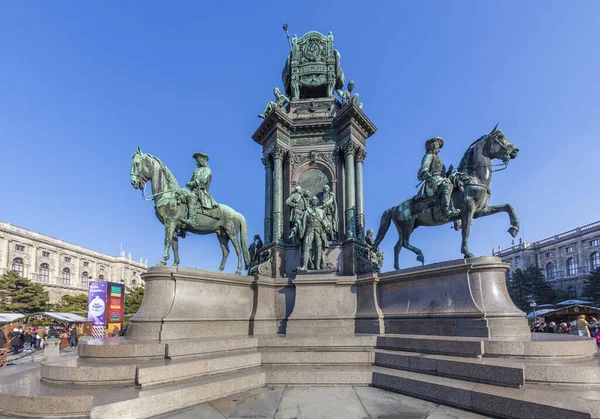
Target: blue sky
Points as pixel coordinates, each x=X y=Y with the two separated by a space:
x=83 y=83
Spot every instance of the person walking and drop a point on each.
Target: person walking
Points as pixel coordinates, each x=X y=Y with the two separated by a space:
x=73 y=337
x=16 y=340
x=582 y=326
x=2 y=338
x=28 y=341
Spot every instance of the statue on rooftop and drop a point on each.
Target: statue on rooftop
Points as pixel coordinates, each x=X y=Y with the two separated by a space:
x=347 y=96
x=280 y=102
x=312 y=69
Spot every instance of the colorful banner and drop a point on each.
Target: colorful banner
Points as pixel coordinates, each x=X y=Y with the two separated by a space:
x=97 y=303
x=115 y=303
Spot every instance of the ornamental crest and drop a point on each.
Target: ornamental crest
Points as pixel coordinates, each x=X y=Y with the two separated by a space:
x=312 y=50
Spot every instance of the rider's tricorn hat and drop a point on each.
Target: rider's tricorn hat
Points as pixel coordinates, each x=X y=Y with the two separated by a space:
x=199 y=154
x=432 y=140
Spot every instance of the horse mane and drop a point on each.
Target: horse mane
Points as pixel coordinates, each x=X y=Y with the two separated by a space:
x=463 y=161
x=170 y=179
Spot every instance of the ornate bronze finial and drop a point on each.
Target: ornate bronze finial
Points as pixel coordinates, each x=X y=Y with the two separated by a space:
x=285 y=29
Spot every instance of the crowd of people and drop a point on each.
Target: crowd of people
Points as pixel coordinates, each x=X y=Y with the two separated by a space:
x=32 y=338
x=579 y=327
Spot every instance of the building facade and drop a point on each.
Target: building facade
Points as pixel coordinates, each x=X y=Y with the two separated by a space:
x=62 y=268
x=566 y=258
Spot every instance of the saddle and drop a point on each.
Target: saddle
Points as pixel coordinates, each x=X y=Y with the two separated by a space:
x=417 y=205
x=210 y=212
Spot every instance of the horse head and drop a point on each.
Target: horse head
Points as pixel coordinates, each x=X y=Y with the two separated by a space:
x=500 y=147
x=141 y=170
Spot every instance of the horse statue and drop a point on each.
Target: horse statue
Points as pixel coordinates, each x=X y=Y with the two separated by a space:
x=170 y=204
x=471 y=197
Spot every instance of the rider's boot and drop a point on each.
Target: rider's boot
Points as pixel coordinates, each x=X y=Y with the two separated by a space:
x=447 y=210
x=192 y=209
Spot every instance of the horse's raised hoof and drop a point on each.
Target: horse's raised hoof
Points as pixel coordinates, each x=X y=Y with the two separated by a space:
x=421 y=259
x=513 y=231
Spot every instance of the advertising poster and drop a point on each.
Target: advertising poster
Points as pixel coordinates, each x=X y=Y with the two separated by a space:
x=97 y=303
x=115 y=305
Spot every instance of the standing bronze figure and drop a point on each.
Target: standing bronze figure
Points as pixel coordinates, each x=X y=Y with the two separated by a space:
x=470 y=197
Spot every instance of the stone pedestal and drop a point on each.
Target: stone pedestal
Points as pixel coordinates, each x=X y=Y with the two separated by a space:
x=182 y=303
x=325 y=304
x=52 y=348
x=457 y=298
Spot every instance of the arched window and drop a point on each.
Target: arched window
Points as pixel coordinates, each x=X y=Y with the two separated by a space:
x=84 y=279
x=594 y=261
x=101 y=278
x=571 y=266
x=44 y=273
x=133 y=283
x=572 y=291
x=17 y=266
x=550 y=271
x=66 y=276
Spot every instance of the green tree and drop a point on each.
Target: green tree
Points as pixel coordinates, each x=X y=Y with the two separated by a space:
x=71 y=303
x=527 y=285
x=591 y=285
x=20 y=295
x=133 y=299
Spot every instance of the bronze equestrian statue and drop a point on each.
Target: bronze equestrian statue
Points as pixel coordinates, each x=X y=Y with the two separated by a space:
x=470 y=194
x=173 y=209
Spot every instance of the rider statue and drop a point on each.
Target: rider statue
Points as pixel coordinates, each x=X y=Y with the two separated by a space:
x=280 y=101
x=437 y=183
x=199 y=184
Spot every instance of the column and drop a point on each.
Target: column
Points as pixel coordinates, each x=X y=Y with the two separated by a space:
x=33 y=264
x=278 y=155
x=268 y=198
x=360 y=208
x=349 y=149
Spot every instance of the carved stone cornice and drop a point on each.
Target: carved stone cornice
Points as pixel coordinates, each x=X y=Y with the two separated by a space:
x=277 y=119
x=353 y=114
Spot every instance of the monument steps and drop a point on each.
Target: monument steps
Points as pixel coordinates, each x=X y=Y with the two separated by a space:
x=168 y=370
x=495 y=372
x=528 y=402
x=133 y=403
x=318 y=375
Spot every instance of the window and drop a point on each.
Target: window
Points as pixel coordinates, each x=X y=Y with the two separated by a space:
x=19 y=247
x=67 y=259
x=133 y=283
x=84 y=279
x=594 y=261
x=102 y=268
x=101 y=278
x=595 y=242
x=549 y=254
x=550 y=271
x=572 y=291
x=570 y=249
x=17 y=266
x=86 y=264
x=66 y=276
x=571 y=266
x=44 y=273
x=46 y=254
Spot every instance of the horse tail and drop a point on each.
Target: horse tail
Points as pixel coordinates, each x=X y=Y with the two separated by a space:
x=384 y=225
x=244 y=238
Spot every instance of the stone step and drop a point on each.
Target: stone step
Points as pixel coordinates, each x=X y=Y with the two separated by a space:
x=88 y=371
x=543 y=345
x=168 y=370
x=325 y=356
x=134 y=403
x=495 y=372
x=581 y=372
x=537 y=402
x=446 y=345
x=191 y=347
x=343 y=341
x=119 y=347
x=318 y=375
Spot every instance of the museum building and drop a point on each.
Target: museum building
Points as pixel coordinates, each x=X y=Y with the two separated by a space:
x=62 y=268
x=566 y=258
